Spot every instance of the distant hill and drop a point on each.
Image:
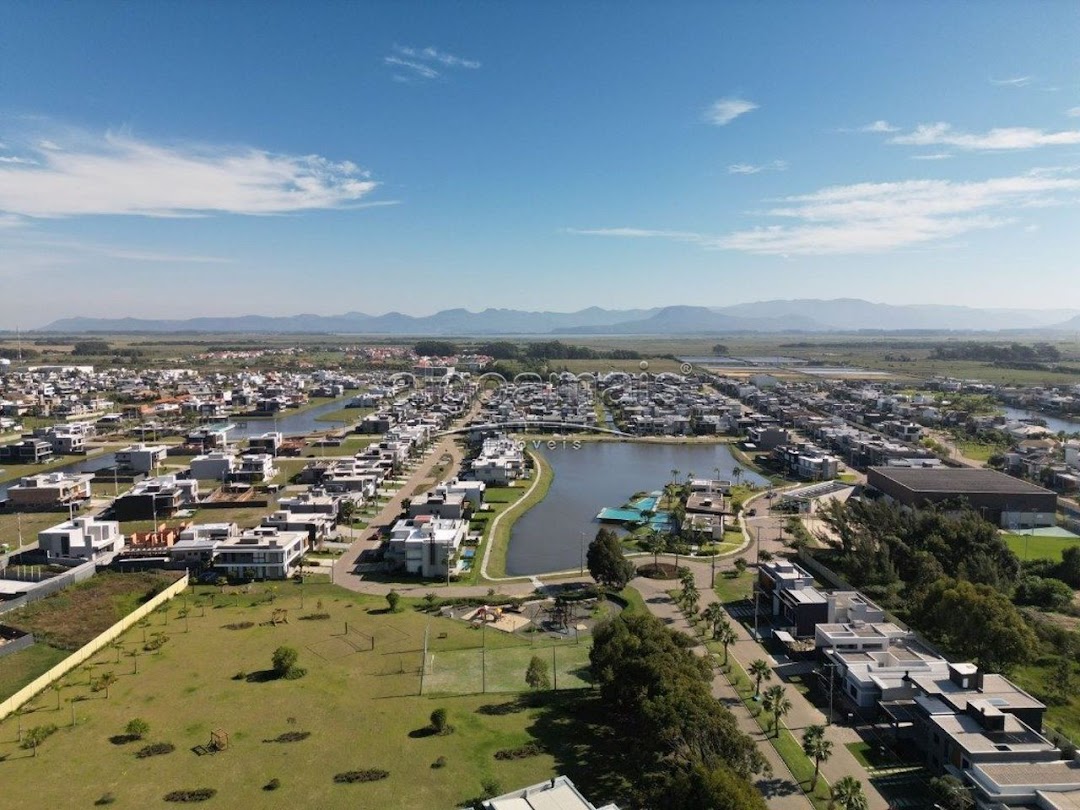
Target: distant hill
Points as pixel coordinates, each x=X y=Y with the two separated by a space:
x=798 y=315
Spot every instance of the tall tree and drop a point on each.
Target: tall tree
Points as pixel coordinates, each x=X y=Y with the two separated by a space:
x=847 y=794
x=655 y=544
x=607 y=562
x=536 y=676
x=776 y=703
x=760 y=671
x=817 y=748
x=716 y=617
x=727 y=637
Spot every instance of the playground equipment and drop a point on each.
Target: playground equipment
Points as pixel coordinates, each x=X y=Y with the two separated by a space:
x=485 y=613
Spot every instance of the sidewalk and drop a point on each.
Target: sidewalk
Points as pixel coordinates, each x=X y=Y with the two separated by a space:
x=802 y=714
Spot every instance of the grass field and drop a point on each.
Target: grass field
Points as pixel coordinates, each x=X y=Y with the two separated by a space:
x=1035 y=547
x=505 y=499
x=360 y=706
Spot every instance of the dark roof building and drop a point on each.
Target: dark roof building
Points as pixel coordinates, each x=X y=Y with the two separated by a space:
x=1007 y=501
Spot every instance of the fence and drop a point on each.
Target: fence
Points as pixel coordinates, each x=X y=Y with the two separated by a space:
x=12 y=703
x=16 y=640
x=50 y=586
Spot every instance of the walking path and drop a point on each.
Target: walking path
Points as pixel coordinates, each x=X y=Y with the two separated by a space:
x=802 y=714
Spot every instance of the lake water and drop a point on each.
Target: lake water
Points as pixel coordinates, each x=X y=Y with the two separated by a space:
x=289 y=424
x=1055 y=423
x=597 y=474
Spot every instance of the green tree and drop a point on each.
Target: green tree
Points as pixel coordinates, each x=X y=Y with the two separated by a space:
x=34 y=737
x=760 y=671
x=740 y=566
x=284 y=659
x=655 y=544
x=700 y=787
x=346 y=511
x=1069 y=569
x=439 y=721
x=776 y=702
x=690 y=595
x=975 y=622
x=137 y=728
x=435 y=348
x=606 y=561
x=105 y=681
x=1061 y=677
x=817 y=748
x=715 y=616
x=727 y=637
x=847 y=794
x=951 y=793
x=536 y=676
x=393 y=600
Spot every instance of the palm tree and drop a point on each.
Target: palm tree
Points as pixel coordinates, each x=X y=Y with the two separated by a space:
x=847 y=794
x=736 y=473
x=691 y=597
x=654 y=544
x=817 y=748
x=674 y=476
x=714 y=614
x=727 y=637
x=776 y=703
x=759 y=671
x=56 y=686
x=106 y=680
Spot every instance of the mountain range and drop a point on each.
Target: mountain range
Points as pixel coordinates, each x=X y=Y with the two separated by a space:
x=803 y=315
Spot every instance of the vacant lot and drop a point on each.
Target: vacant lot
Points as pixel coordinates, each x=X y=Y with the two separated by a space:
x=1035 y=547
x=360 y=706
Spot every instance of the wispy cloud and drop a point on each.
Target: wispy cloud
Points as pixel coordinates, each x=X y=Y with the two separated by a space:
x=879 y=217
x=879 y=126
x=121 y=174
x=751 y=168
x=424 y=63
x=1073 y=112
x=998 y=139
x=1013 y=81
x=725 y=110
x=933 y=156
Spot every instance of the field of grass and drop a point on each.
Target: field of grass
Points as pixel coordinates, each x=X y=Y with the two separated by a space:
x=20 y=668
x=734 y=588
x=75 y=615
x=1062 y=712
x=361 y=707
x=979 y=451
x=1035 y=547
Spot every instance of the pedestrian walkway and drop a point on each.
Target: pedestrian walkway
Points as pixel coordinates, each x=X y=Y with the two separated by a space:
x=802 y=714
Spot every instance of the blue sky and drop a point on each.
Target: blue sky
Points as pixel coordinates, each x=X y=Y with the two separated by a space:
x=177 y=159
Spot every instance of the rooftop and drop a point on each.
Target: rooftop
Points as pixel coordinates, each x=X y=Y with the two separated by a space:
x=965 y=481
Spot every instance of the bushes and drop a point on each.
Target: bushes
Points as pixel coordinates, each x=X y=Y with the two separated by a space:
x=137 y=728
x=439 y=763
x=196 y=795
x=156 y=749
x=35 y=736
x=240 y=626
x=290 y=736
x=369 y=775
x=532 y=749
x=273 y=784
x=439 y=722
x=284 y=661
x=315 y=617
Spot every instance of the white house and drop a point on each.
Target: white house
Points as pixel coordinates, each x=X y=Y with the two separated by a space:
x=144 y=458
x=83 y=537
x=426 y=545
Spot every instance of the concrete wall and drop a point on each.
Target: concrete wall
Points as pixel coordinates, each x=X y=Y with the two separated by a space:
x=80 y=573
x=83 y=653
x=21 y=643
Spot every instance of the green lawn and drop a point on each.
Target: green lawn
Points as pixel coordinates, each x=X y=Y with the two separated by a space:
x=507 y=499
x=20 y=668
x=1035 y=547
x=734 y=588
x=360 y=706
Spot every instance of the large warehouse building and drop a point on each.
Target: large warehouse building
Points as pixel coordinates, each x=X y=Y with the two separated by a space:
x=1007 y=501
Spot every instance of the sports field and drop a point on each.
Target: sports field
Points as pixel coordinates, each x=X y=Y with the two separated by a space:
x=1040 y=546
x=359 y=702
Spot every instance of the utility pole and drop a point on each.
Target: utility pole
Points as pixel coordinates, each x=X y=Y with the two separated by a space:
x=755 y=592
x=712 y=571
x=757 y=551
x=423 y=659
x=483 y=657
x=581 y=572
x=554 y=670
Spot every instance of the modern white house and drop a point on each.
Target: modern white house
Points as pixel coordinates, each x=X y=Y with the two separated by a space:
x=261 y=553
x=426 y=545
x=143 y=458
x=215 y=466
x=81 y=538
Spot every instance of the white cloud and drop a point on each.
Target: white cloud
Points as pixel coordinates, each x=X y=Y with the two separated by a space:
x=1073 y=112
x=998 y=139
x=424 y=63
x=879 y=126
x=120 y=174
x=723 y=111
x=750 y=168
x=880 y=217
x=932 y=156
x=1015 y=81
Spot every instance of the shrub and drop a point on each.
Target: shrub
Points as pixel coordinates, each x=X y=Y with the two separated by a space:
x=106 y=798
x=239 y=676
x=439 y=763
x=35 y=736
x=438 y=721
x=137 y=728
x=294 y=673
x=290 y=736
x=490 y=786
x=393 y=599
x=315 y=617
x=196 y=795
x=530 y=750
x=239 y=625
x=284 y=659
x=369 y=775
x=156 y=749
x=273 y=784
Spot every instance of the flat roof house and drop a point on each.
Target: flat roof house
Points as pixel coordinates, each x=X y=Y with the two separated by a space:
x=83 y=537
x=49 y=490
